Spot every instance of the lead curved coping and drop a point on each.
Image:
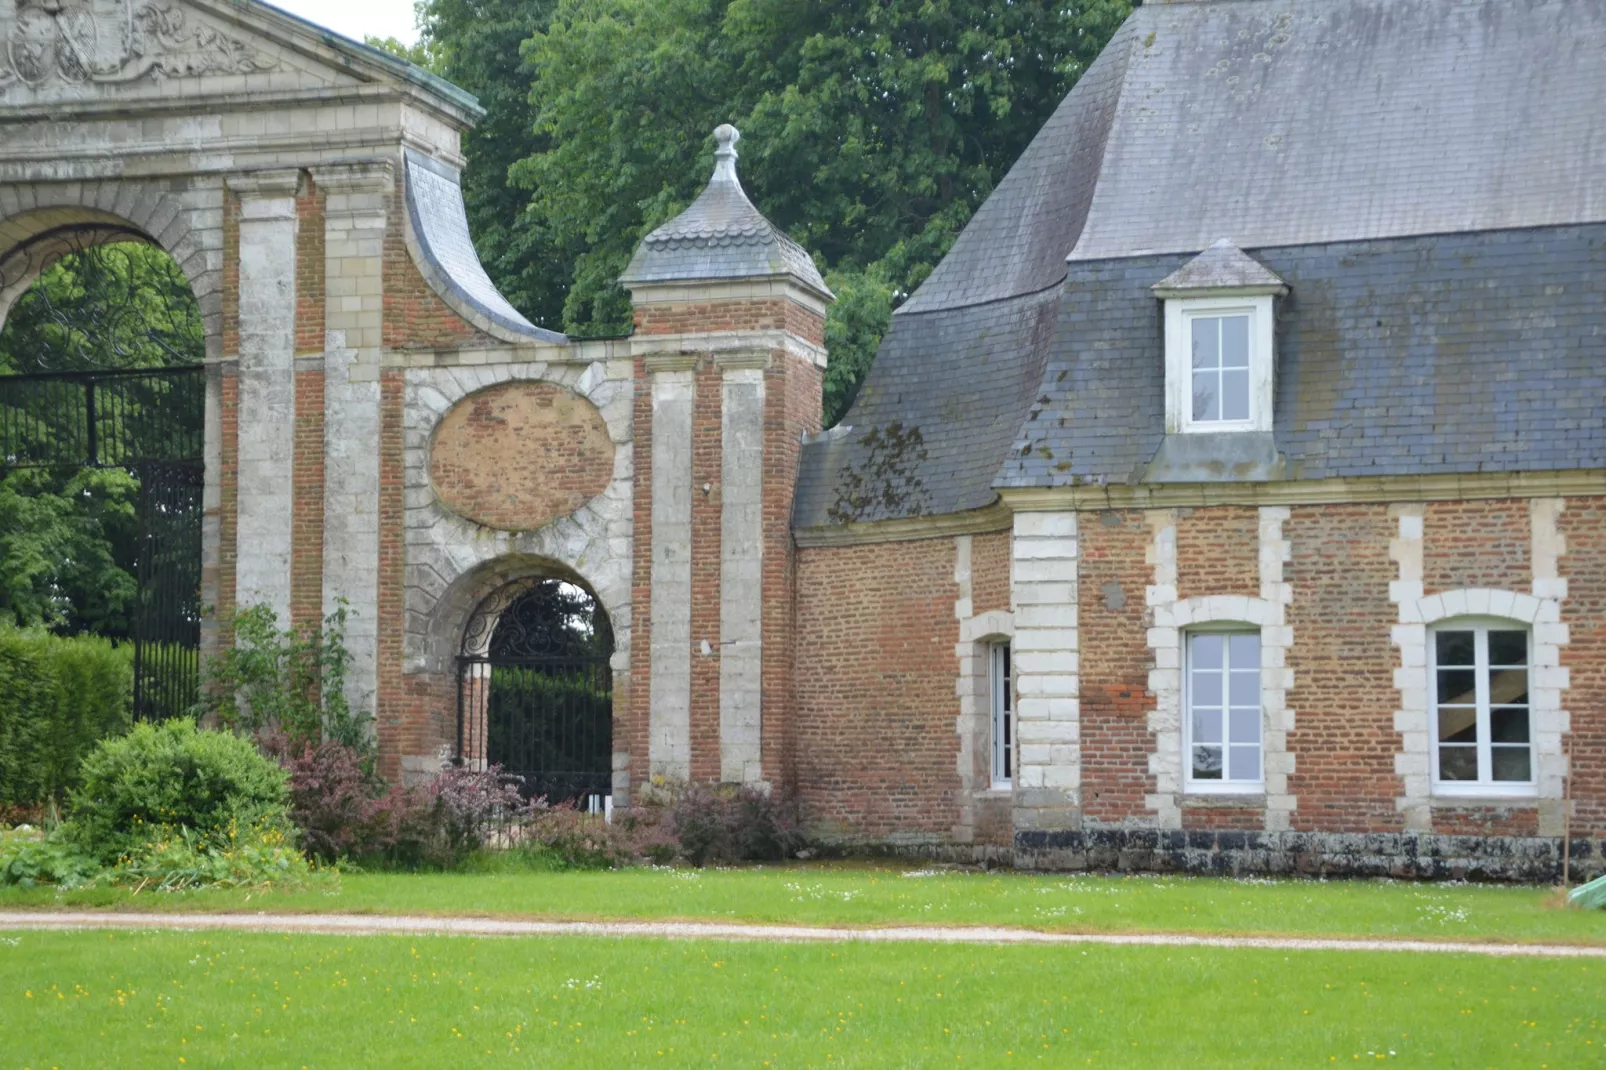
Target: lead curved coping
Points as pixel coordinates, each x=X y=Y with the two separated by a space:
x=440 y=242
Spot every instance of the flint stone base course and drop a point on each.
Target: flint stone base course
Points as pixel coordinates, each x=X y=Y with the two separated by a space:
x=1410 y=856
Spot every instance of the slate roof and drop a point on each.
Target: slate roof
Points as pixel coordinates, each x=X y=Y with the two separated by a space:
x=440 y=221
x=1438 y=354
x=1422 y=173
x=721 y=236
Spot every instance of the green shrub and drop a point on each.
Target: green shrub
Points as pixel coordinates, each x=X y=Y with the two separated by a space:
x=29 y=858
x=169 y=776
x=58 y=698
x=285 y=682
x=179 y=860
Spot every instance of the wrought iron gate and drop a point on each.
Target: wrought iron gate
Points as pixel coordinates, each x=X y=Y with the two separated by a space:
x=149 y=421
x=538 y=700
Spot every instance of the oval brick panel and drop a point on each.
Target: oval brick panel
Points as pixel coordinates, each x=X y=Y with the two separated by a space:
x=520 y=455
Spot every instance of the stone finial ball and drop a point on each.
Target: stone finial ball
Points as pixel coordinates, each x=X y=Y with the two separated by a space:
x=727 y=135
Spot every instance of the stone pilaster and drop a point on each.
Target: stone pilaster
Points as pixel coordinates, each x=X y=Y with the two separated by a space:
x=669 y=730
x=266 y=430
x=355 y=218
x=741 y=574
x=1048 y=778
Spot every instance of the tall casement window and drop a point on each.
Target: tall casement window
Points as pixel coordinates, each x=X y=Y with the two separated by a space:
x=1222 y=712
x=1479 y=696
x=1003 y=710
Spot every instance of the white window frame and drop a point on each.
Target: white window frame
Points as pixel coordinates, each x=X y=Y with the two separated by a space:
x=1190 y=786
x=1001 y=709
x=1484 y=786
x=1180 y=312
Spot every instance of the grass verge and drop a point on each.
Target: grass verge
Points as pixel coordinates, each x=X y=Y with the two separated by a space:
x=172 y=999
x=866 y=896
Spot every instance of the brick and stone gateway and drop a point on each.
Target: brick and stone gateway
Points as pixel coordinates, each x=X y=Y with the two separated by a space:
x=794 y=611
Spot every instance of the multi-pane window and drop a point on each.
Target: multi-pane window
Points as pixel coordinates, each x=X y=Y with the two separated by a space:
x=1222 y=722
x=1484 y=735
x=1003 y=720
x=1220 y=348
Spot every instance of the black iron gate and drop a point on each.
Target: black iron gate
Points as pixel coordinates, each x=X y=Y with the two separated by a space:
x=150 y=421
x=537 y=700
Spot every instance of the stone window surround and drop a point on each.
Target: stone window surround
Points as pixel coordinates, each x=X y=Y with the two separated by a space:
x=1539 y=611
x=977 y=633
x=1170 y=620
x=1179 y=314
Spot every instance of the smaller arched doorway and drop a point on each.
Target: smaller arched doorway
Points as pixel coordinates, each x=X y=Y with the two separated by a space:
x=535 y=690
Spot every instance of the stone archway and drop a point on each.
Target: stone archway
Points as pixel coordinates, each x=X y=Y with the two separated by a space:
x=535 y=689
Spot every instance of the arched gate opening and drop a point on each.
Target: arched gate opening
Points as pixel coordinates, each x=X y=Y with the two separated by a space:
x=102 y=449
x=535 y=691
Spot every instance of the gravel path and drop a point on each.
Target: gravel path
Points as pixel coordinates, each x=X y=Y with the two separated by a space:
x=376 y=925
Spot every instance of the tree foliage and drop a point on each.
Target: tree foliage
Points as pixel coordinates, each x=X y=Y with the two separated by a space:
x=872 y=130
x=68 y=534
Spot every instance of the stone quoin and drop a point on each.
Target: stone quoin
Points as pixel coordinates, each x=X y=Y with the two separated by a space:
x=1231 y=498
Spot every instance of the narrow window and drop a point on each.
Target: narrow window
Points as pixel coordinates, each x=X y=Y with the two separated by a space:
x=1222 y=724
x=1220 y=369
x=1480 y=702
x=1003 y=695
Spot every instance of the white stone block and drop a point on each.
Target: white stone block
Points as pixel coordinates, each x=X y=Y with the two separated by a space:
x=1028 y=525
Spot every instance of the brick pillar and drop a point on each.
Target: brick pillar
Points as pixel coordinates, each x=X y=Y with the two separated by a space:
x=730 y=328
x=265 y=432
x=356 y=214
x=728 y=415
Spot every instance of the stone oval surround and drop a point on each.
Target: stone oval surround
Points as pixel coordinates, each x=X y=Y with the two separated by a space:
x=519 y=455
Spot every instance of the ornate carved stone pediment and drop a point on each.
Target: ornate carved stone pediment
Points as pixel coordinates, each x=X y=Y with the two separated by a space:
x=114 y=41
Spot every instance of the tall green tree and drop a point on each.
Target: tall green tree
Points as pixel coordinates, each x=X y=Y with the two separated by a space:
x=476 y=44
x=872 y=130
x=68 y=534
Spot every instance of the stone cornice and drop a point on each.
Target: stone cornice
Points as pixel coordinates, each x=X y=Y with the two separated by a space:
x=702 y=290
x=995 y=517
x=717 y=343
x=366 y=176
x=283 y=182
x=1341 y=491
x=669 y=362
x=1378 y=489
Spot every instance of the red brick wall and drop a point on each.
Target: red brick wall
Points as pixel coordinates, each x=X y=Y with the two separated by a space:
x=1343 y=696
x=1218 y=551
x=791 y=409
x=1115 y=663
x=228 y=551
x=705 y=569
x=231 y=275
x=876 y=705
x=1583 y=524
x=1477 y=544
x=403 y=702
x=306 y=533
x=631 y=716
x=989 y=572
x=736 y=314
x=309 y=268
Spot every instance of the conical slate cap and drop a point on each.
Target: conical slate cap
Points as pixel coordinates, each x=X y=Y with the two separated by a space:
x=722 y=236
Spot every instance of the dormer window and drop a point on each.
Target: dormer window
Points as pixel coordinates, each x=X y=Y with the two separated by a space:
x=1218 y=342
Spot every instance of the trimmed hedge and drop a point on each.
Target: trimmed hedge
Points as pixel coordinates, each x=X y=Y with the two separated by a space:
x=58 y=698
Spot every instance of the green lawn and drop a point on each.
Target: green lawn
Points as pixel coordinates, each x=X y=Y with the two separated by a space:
x=822 y=895
x=172 y=999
